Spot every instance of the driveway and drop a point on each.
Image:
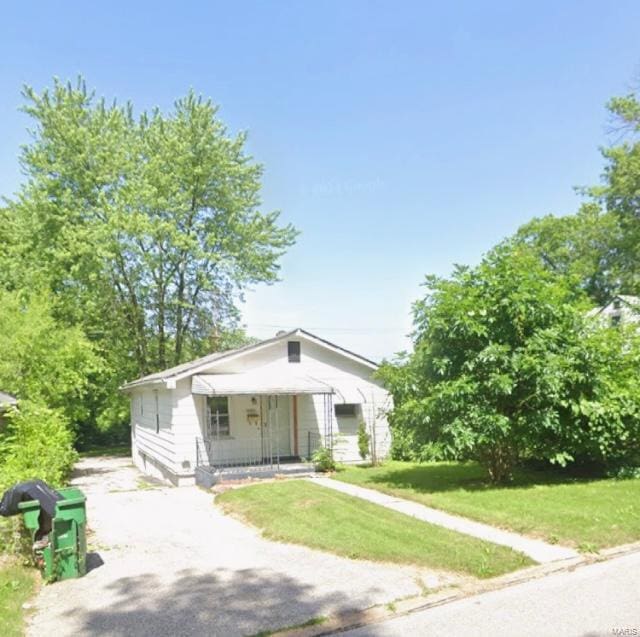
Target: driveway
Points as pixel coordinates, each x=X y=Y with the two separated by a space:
x=166 y=561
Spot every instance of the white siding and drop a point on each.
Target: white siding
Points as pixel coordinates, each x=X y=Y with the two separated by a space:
x=183 y=414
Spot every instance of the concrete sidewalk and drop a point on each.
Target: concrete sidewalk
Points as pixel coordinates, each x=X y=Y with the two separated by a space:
x=537 y=550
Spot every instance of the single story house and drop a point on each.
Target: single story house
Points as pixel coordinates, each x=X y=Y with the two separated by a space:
x=6 y=402
x=259 y=406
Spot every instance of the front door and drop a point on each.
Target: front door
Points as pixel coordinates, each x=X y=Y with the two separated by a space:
x=277 y=428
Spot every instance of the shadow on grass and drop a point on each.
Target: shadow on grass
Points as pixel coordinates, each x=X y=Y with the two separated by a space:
x=220 y=603
x=457 y=476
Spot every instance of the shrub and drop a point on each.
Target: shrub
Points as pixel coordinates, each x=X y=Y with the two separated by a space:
x=37 y=443
x=323 y=460
x=506 y=367
x=363 y=440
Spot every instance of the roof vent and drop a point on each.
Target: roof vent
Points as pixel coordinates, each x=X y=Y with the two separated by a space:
x=281 y=332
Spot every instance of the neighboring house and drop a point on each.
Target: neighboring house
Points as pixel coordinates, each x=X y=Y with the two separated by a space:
x=6 y=402
x=258 y=406
x=620 y=310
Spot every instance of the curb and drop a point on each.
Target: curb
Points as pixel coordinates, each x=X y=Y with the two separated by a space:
x=376 y=614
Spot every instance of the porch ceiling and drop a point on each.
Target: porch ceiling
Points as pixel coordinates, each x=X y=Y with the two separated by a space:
x=252 y=383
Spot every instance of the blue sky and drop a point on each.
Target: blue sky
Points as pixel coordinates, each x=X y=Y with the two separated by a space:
x=399 y=137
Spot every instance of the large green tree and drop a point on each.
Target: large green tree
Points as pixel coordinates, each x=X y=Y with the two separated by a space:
x=599 y=247
x=619 y=191
x=584 y=247
x=506 y=367
x=146 y=229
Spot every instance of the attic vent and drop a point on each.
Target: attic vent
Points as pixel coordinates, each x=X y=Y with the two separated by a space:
x=293 y=349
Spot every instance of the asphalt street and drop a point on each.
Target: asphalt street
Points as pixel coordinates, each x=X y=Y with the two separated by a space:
x=601 y=599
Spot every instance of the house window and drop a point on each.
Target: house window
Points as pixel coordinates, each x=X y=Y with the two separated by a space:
x=218 y=411
x=615 y=320
x=346 y=409
x=293 y=349
x=141 y=400
x=617 y=304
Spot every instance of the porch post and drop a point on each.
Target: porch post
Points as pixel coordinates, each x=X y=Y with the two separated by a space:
x=295 y=424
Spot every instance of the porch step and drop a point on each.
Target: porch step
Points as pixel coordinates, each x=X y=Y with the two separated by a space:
x=207 y=476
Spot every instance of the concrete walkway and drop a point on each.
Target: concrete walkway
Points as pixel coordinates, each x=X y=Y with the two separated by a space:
x=537 y=550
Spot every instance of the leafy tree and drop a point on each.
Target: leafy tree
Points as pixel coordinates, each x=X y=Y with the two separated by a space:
x=583 y=247
x=42 y=361
x=620 y=188
x=145 y=229
x=506 y=367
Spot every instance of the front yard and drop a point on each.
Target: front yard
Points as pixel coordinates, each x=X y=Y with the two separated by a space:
x=587 y=514
x=300 y=512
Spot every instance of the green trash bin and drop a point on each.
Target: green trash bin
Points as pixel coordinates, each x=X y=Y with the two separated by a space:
x=66 y=554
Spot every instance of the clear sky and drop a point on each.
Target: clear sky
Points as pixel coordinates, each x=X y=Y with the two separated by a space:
x=399 y=137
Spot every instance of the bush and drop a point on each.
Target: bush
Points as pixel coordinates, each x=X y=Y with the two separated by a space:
x=363 y=440
x=37 y=443
x=507 y=368
x=323 y=460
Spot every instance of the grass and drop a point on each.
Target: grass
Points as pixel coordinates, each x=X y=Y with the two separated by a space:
x=122 y=451
x=300 y=512
x=17 y=585
x=585 y=513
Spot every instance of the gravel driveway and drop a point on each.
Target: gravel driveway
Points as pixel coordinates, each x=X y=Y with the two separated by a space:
x=166 y=561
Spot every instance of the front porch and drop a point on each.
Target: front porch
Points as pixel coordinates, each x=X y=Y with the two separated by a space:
x=250 y=434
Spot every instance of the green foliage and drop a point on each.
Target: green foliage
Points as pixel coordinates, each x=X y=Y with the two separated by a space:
x=146 y=227
x=43 y=361
x=323 y=460
x=141 y=232
x=506 y=367
x=37 y=443
x=363 y=440
x=583 y=247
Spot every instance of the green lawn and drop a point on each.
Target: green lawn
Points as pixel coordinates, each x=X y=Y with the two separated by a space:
x=300 y=512
x=17 y=585
x=588 y=514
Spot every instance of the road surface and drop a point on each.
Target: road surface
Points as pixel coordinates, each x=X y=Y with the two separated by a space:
x=602 y=599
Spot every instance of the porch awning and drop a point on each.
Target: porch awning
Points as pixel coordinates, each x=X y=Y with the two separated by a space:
x=269 y=382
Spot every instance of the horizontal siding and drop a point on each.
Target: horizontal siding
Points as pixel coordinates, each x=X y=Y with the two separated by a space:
x=158 y=447
x=182 y=413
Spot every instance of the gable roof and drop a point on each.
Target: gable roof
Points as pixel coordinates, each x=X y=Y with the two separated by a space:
x=632 y=301
x=192 y=367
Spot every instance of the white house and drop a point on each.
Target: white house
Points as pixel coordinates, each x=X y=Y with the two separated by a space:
x=622 y=309
x=259 y=407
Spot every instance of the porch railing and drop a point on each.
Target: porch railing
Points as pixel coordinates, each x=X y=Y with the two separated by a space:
x=221 y=453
